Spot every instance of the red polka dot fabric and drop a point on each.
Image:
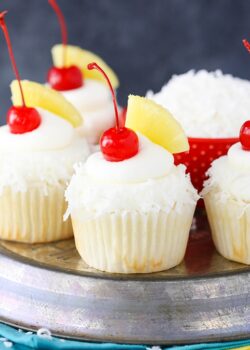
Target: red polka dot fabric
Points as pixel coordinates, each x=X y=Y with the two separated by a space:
x=200 y=156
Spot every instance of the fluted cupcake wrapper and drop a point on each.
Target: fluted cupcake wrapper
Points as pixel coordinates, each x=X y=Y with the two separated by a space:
x=133 y=242
x=34 y=217
x=230 y=226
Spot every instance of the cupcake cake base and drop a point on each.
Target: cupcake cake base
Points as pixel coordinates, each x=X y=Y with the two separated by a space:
x=33 y=216
x=132 y=242
x=230 y=226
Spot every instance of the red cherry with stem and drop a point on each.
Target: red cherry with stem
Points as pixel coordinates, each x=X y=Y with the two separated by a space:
x=245 y=136
x=118 y=143
x=21 y=119
x=64 y=78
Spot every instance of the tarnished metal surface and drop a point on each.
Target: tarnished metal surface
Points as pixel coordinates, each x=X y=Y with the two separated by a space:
x=206 y=298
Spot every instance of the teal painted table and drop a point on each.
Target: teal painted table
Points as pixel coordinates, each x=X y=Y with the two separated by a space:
x=11 y=338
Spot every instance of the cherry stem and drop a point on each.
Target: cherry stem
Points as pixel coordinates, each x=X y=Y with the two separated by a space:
x=63 y=27
x=11 y=54
x=94 y=65
x=246 y=44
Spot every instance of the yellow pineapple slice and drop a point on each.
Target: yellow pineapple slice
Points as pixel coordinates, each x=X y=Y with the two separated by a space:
x=38 y=95
x=81 y=58
x=156 y=123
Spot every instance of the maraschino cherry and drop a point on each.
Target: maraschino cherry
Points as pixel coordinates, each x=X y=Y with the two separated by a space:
x=64 y=78
x=21 y=119
x=246 y=44
x=245 y=136
x=118 y=143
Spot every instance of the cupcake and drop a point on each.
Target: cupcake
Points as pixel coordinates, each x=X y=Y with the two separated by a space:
x=84 y=89
x=35 y=166
x=211 y=107
x=131 y=207
x=227 y=200
x=38 y=148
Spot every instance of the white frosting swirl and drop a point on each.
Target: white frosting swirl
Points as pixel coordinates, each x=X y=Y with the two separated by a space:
x=151 y=162
x=145 y=182
x=43 y=157
x=239 y=157
x=229 y=175
x=53 y=133
x=93 y=100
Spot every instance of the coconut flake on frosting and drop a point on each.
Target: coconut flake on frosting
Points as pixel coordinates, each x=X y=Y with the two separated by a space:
x=145 y=182
x=207 y=104
x=229 y=176
x=42 y=157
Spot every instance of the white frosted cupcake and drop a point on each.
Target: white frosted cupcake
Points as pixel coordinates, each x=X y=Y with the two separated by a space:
x=131 y=207
x=227 y=200
x=132 y=216
x=35 y=165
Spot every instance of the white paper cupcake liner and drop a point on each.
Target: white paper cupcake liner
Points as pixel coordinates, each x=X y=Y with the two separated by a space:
x=133 y=242
x=33 y=217
x=230 y=226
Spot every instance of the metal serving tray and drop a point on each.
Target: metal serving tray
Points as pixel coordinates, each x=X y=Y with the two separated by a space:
x=206 y=298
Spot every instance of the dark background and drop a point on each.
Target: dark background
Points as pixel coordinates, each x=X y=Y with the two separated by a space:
x=145 y=41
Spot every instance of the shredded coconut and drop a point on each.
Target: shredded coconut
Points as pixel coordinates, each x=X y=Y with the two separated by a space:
x=207 y=104
x=228 y=182
x=23 y=169
x=95 y=198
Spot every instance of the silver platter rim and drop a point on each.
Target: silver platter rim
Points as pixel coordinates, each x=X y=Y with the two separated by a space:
x=123 y=277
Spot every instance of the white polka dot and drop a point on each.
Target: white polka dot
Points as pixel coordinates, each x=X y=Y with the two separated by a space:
x=211 y=146
x=203 y=153
x=194 y=146
x=195 y=170
x=195 y=159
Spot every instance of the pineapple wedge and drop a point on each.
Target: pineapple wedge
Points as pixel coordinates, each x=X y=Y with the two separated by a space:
x=81 y=58
x=156 y=123
x=38 y=95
